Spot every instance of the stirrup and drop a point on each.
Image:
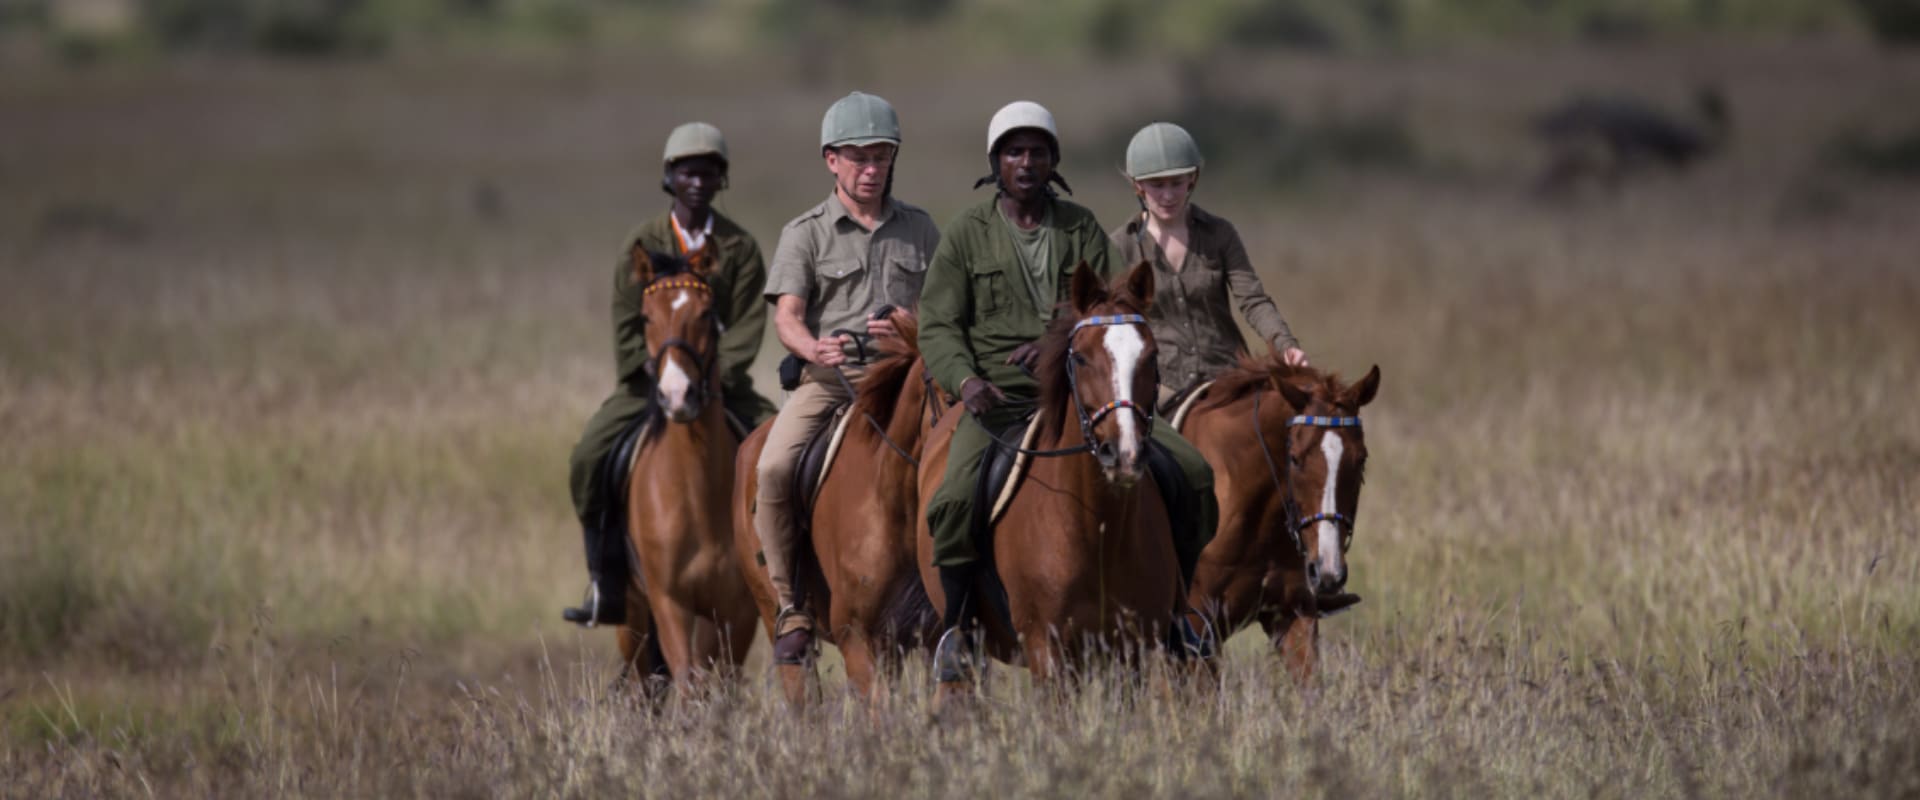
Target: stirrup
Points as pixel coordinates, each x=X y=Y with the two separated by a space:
x=1196 y=642
x=786 y=612
x=591 y=612
x=952 y=659
x=587 y=613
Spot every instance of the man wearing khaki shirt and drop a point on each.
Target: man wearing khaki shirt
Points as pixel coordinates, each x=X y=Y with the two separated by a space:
x=835 y=266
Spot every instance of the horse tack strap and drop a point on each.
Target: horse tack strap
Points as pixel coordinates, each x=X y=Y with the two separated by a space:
x=1115 y=319
x=678 y=283
x=1324 y=422
x=1115 y=406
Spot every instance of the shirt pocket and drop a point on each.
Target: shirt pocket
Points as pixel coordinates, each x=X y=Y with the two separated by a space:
x=993 y=289
x=906 y=275
x=837 y=281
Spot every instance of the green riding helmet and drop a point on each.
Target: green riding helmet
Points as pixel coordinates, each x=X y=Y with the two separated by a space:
x=1162 y=150
x=859 y=119
x=695 y=139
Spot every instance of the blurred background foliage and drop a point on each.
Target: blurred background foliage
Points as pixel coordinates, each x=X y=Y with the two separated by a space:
x=90 y=29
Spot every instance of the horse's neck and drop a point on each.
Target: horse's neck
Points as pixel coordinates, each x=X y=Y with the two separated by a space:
x=908 y=425
x=1100 y=508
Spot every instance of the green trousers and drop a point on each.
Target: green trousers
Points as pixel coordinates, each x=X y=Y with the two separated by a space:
x=949 y=513
x=603 y=432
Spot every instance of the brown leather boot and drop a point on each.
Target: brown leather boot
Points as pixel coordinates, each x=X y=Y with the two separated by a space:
x=794 y=644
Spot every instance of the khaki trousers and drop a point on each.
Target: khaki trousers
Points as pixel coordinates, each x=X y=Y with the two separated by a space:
x=808 y=408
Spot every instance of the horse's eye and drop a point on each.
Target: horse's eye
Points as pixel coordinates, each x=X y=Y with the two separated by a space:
x=1079 y=360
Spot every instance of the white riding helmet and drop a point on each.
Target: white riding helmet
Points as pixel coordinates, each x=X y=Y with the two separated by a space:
x=1022 y=114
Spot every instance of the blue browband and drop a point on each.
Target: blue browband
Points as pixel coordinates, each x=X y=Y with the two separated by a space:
x=1325 y=422
x=1341 y=521
x=1117 y=319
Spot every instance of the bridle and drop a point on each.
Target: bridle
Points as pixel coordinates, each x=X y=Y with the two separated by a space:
x=703 y=363
x=1089 y=419
x=1297 y=522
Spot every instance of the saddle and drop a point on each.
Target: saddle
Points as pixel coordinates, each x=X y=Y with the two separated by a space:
x=1182 y=403
x=1003 y=468
x=811 y=472
x=616 y=473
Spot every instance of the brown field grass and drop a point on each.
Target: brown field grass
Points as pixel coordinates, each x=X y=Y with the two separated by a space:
x=285 y=418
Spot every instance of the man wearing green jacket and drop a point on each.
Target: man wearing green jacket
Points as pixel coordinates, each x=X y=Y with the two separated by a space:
x=1001 y=269
x=695 y=163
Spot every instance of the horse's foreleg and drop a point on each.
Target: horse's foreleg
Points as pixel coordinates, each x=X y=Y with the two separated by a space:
x=1298 y=640
x=857 y=651
x=674 y=624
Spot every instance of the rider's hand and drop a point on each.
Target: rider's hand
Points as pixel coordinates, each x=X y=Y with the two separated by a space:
x=1026 y=356
x=979 y=395
x=879 y=327
x=827 y=352
x=1295 y=357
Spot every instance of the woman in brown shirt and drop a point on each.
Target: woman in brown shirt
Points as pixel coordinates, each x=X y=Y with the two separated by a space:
x=1200 y=267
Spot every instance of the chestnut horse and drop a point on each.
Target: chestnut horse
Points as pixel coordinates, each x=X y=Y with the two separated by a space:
x=1085 y=549
x=687 y=592
x=1287 y=504
x=857 y=577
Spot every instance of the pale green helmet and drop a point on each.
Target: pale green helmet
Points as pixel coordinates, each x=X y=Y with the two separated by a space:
x=695 y=139
x=859 y=119
x=1162 y=150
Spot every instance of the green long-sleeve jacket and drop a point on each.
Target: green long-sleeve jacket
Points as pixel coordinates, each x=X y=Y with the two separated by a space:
x=975 y=307
x=737 y=275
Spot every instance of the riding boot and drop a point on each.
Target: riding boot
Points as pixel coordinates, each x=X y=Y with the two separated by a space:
x=794 y=642
x=952 y=657
x=608 y=570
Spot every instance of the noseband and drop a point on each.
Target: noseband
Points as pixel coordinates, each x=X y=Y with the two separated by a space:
x=1299 y=523
x=1089 y=420
x=703 y=364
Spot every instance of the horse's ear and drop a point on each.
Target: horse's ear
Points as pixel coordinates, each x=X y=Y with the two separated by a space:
x=700 y=262
x=641 y=264
x=1294 y=395
x=1362 y=391
x=1139 y=284
x=1087 y=289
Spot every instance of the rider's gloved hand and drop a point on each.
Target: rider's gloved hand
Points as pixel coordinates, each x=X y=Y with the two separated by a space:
x=980 y=395
x=1026 y=356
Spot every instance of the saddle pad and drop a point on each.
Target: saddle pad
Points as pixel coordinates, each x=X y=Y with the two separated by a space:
x=1021 y=461
x=842 y=415
x=1186 y=406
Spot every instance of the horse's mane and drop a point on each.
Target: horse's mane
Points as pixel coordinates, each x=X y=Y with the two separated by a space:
x=1253 y=374
x=878 y=393
x=1055 y=393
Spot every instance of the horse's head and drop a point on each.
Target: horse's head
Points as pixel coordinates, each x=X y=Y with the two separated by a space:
x=1327 y=462
x=1100 y=363
x=682 y=330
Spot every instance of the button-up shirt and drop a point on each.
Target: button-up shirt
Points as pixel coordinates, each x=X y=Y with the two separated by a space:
x=845 y=271
x=1192 y=314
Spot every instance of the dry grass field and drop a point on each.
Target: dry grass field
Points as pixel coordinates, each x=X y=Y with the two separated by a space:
x=291 y=359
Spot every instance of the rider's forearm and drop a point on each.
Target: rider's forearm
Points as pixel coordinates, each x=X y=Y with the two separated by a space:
x=790 y=326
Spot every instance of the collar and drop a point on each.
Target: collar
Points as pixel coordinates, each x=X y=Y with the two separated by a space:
x=692 y=241
x=837 y=210
x=1196 y=218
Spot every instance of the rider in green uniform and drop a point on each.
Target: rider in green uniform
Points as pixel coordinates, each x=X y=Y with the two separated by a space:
x=996 y=280
x=695 y=163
